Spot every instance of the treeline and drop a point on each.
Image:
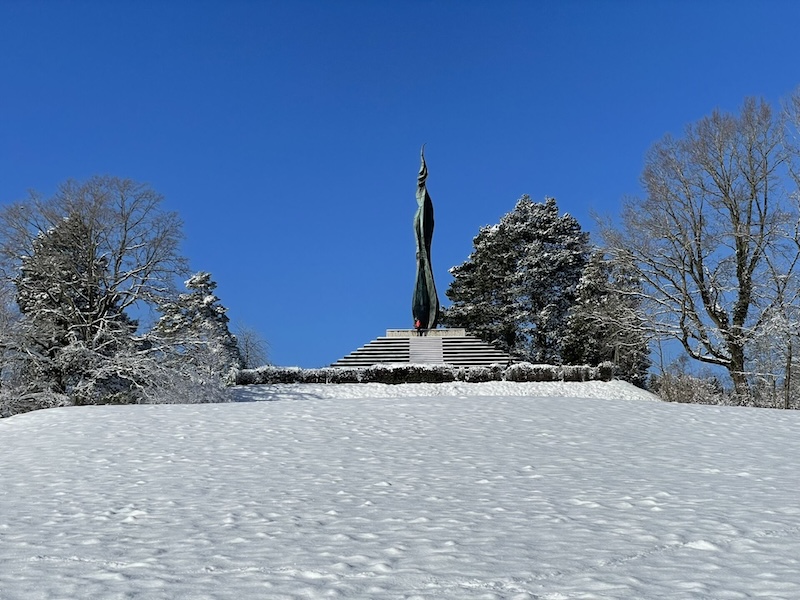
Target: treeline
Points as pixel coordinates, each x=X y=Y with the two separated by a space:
x=536 y=288
x=80 y=270
x=705 y=262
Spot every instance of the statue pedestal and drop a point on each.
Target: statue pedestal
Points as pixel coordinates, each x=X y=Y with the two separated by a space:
x=435 y=346
x=404 y=333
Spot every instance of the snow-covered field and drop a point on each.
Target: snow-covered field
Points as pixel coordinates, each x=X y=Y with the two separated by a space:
x=450 y=491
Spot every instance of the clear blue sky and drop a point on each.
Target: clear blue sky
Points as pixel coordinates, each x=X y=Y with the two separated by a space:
x=287 y=133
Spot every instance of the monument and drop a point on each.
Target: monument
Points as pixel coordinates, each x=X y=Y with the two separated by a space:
x=425 y=304
x=426 y=345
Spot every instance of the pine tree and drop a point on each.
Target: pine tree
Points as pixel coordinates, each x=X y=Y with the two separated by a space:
x=480 y=293
x=517 y=285
x=604 y=323
x=195 y=330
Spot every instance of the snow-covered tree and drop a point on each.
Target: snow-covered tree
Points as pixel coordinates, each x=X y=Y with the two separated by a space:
x=193 y=329
x=517 y=285
x=715 y=238
x=253 y=348
x=79 y=262
x=129 y=244
x=605 y=323
x=481 y=294
x=63 y=285
x=70 y=323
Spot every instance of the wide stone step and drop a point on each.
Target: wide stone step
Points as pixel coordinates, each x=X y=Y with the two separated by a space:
x=471 y=351
x=379 y=351
x=437 y=346
x=425 y=350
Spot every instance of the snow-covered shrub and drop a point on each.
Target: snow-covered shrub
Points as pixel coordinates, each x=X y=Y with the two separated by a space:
x=185 y=388
x=605 y=371
x=330 y=375
x=15 y=401
x=268 y=374
x=408 y=373
x=480 y=374
x=577 y=373
x=315 y=375
x=439 y=373
x=383 y=374
x=521 y=371
x=422 y=373
x=341 y=374
x=686 y=388
x=91 y=377
x=524 y=371
x=247 y=377
x=546 y=372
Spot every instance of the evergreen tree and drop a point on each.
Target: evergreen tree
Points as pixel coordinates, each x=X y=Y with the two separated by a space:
x=63 y=286
x=78 y=262
x=517 y=285
x=482 y=300
x=604 y=323
x=70 y=323
x=195 y=329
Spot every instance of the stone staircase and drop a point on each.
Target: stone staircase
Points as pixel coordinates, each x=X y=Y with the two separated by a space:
x=437 y=346
x=425 y=350
x=469 y=351
x=378 y=351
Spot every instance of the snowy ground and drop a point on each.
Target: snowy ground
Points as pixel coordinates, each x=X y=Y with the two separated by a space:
x=485 y=491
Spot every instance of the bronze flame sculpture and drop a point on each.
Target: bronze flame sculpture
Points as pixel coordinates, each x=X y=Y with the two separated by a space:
x=425 y=304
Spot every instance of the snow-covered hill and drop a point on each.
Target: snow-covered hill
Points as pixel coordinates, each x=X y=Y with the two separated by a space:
x=467 y=491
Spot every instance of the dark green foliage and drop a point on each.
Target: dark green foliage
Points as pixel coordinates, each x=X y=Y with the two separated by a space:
x=576 y=373
x=480 y=374
x=407 y=374
x=528 y=372
x=516 y=287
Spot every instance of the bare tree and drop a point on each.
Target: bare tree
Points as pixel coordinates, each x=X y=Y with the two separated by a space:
x=714 y=239
x=123 y=226
x=80 y=261
x=253 y=348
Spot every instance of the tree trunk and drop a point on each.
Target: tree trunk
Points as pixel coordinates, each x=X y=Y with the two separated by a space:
x=741 y=386
x=787 y=381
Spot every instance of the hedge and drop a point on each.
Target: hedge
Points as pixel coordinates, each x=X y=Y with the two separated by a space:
x=421 y=373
